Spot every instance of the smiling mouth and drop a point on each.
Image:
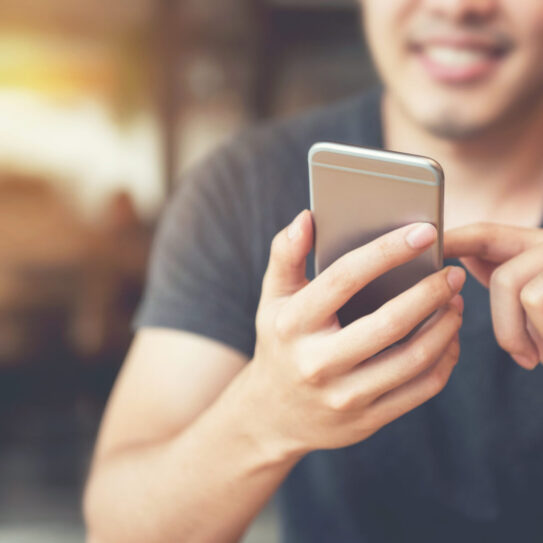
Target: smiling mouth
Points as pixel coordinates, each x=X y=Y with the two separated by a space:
x=456 y=60
x=458 y=56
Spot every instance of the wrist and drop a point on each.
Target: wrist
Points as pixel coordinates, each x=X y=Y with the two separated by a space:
x=254 y=417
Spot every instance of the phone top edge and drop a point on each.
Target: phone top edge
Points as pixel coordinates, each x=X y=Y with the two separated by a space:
x=395 y=157
x=434 y=183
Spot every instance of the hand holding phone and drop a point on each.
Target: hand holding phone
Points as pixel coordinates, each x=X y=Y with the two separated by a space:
x=313 y=384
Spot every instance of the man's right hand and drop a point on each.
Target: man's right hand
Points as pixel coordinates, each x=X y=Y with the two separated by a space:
x=315 y=385
x=310 y=385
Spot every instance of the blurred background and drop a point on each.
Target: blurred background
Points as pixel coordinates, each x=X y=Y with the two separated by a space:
x=102 y=107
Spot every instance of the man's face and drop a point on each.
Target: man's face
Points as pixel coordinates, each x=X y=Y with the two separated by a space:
x=459 y=67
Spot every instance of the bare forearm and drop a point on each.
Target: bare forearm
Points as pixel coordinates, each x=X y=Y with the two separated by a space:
x=205 y=485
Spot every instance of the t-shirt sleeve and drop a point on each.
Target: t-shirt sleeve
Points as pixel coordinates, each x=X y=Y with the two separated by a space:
x=200 y=275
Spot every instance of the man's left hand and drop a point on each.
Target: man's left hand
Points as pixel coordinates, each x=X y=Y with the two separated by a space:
x=509 y=261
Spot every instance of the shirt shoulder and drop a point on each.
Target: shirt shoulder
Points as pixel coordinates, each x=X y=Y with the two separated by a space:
x=355 y=121
x=266 y=165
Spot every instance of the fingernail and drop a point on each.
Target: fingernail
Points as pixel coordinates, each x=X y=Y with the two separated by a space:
x=294 y=230
x=421 y=236
x=527 y=362
x=458 y=303
x=456 y=278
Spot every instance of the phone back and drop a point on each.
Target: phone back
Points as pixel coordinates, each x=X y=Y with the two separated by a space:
x=358 y=194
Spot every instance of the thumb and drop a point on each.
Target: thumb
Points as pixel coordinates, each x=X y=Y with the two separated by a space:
x=285 y=274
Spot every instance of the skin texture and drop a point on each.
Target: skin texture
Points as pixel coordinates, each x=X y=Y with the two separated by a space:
x=192 y=432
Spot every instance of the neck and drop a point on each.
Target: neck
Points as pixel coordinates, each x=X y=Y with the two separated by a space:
x=503 y=166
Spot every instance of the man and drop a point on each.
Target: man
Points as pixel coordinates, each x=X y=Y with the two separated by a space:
x=196 y=440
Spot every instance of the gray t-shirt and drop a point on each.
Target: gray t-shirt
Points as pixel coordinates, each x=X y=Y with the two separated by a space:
x=466 y=466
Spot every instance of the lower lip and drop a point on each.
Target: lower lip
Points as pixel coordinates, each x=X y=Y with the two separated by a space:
x=471 y=73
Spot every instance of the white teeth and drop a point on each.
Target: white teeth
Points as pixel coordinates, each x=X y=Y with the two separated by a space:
x=455 y=57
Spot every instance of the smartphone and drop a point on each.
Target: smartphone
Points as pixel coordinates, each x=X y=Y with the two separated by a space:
x=357 y=194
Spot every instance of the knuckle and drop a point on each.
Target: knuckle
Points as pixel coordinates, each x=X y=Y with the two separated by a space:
x=339 y=401
x=454 y=350
x=368 y=424
x=440 y=374
x=283 y=325
x=440 y=290
x=485 y=234
x=531 y=297
x=310 y=371
x=443 y=290
x=435 y=290
x=419 y=357
x=502 y=278
x=437 y=380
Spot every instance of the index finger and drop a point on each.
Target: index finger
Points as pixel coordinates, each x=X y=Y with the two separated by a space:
x=314 y=304
x=489 y=241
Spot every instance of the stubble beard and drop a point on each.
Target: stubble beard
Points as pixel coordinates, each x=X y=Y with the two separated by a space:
x=449 y=123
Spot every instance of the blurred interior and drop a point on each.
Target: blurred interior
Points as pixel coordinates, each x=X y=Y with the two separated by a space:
x=102 y=107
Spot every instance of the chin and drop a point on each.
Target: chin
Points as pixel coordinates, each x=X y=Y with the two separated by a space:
x=462 y=118
x=453 y=124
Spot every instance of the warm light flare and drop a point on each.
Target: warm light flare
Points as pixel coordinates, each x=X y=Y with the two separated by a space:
x=53 y=65
x=81 y=147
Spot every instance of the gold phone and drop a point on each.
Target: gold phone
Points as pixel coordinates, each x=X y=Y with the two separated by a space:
x=358 y=194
